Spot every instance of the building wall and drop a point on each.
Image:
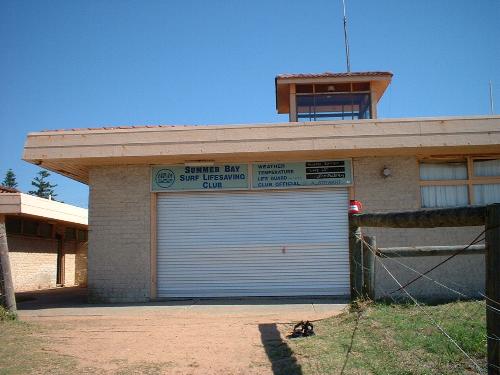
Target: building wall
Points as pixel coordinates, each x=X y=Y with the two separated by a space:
x=119 y=236
x=81 y=267
x=69 y=265
x=33 y=262
x=464 y=274
x=400 y=192
x=75 y=263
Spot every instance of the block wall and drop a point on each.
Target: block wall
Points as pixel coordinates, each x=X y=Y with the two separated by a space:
x=75 y=263
x=33 y=262
x=81 y=267
x=119 y=234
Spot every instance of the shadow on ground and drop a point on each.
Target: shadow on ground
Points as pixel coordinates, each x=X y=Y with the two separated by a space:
x=50 y=298
x=279 y=353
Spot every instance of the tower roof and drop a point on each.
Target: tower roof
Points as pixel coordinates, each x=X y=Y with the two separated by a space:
x=379 y=81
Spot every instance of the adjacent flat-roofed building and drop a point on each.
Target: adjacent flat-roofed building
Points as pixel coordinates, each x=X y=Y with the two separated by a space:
x=47 y=241
x=261 y=209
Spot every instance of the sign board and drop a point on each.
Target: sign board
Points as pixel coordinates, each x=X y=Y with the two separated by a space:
x=308 y=173
x=264 y=176
x=216 y=177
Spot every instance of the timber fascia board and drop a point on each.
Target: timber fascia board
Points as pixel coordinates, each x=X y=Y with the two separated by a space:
x=78 y=147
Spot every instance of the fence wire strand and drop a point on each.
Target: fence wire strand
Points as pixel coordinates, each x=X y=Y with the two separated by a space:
x=429 y=315
x=386 y=294
x=461 y=286
x=474 y=241
x=487 y=299
x=425 y=276
x=481 y=304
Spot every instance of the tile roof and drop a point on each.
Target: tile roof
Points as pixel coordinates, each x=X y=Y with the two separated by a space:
x=117 y=127
x=333 y=75
x=6 y=189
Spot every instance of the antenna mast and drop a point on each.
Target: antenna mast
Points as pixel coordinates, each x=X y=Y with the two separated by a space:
x=346 y=41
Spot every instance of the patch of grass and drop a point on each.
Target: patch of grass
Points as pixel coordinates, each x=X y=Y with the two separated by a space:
x=6 y=315
x=395 y=339
x=22 y=351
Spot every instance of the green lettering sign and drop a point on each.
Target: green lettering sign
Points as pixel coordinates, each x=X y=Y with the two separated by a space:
x=185 y=178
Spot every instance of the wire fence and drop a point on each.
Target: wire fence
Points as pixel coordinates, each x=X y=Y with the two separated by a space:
x=386 y=264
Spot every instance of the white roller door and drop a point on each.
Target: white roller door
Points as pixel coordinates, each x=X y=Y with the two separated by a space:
x=253 y=243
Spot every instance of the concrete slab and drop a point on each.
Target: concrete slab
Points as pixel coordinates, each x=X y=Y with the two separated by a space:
x=72 y=302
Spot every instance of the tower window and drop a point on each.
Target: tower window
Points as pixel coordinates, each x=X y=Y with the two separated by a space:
x=333 y=106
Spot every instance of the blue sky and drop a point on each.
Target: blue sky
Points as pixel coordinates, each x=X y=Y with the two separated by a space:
x=71 y=64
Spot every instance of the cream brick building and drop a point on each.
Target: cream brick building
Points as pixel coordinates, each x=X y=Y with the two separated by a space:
x=47 y=241
x=261 y=209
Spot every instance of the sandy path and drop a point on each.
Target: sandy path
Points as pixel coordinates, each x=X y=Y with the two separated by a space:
x=172 y=339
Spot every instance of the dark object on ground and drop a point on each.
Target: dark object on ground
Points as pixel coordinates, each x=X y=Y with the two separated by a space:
x=302 y=329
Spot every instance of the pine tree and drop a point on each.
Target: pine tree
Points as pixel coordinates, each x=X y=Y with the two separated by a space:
x=44 y=188
x=10 y=179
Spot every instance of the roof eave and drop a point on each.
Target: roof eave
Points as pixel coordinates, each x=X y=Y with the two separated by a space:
x=74 y=153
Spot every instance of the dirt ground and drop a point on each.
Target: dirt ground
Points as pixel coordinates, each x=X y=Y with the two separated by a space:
x=192 y=337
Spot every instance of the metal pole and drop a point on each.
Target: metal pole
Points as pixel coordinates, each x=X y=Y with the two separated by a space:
x=493 y=287
x=492 y=105
x=7 y=287
x=346 y=40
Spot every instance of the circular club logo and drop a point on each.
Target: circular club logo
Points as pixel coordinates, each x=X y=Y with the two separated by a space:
x=165 y=178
